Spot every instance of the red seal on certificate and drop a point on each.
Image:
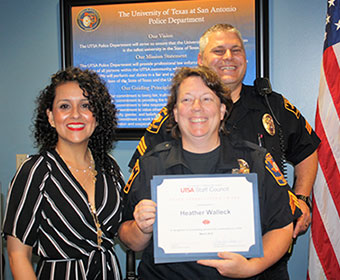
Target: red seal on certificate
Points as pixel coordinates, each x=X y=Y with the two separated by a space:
x=206 y=222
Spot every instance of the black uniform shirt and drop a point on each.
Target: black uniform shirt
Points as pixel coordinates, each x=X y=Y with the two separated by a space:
x=277 y=202
x=298 y=139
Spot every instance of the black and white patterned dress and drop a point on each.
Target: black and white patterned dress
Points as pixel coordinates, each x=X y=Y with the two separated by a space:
x=49 y=210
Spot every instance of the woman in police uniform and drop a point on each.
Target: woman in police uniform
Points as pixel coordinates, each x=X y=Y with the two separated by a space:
x=198 y=107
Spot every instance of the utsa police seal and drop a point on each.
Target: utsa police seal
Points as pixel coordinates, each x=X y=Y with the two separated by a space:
x=88 y=19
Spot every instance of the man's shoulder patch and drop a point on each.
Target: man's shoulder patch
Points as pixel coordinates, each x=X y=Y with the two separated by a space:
x=157 y=122
x=290 y=107
x=134 y=173
x=274 y=170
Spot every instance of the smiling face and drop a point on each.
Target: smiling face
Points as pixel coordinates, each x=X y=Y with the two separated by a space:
x=71 y=115
x=198 y=113
x=225 y=54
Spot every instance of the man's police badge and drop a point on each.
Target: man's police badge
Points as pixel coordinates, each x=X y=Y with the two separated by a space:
x=268 y=124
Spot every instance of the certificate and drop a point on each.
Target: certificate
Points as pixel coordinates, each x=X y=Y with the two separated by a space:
x=200 y=215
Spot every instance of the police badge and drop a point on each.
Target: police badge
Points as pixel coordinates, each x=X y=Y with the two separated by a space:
x=244 y=167
x=268 y=124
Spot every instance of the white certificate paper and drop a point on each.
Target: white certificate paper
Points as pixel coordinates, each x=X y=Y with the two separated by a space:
x=200 y=215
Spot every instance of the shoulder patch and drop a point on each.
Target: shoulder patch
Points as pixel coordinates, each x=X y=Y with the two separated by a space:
x=274 y=170
x=164 y=146
x=134 y=173
x=157 y=122
x=293 y=202
x=290 y=107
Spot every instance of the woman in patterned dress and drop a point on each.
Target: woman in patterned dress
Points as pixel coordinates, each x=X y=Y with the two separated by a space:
x=64 y=204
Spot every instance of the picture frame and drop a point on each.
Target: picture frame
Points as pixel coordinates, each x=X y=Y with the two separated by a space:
x=135 y=46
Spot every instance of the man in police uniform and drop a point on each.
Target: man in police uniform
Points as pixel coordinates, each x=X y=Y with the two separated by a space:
x=222 y=49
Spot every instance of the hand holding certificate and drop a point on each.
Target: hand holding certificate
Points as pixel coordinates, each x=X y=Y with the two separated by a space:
x=198 y=216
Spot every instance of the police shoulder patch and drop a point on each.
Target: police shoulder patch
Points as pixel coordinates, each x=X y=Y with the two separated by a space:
x=290 y=107
x=273 y=168
x=157 y=122
x=134 y=173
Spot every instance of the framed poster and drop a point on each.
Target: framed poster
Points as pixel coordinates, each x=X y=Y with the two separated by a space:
x=136 y=46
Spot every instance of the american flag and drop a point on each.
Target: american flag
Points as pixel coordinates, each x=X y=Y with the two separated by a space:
x=324 y=252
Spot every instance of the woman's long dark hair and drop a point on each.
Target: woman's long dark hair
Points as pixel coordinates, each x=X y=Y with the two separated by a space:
x=101 y=105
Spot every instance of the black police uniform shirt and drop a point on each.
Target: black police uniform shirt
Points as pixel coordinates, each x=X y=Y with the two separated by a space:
x=247 y=121
x=278 y=204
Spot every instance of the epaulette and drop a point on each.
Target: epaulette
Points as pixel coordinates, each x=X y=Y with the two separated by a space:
x=164 y=146
x=238 y=143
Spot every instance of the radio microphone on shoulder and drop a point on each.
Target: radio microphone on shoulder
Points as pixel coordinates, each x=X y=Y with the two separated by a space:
x=263 y=86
